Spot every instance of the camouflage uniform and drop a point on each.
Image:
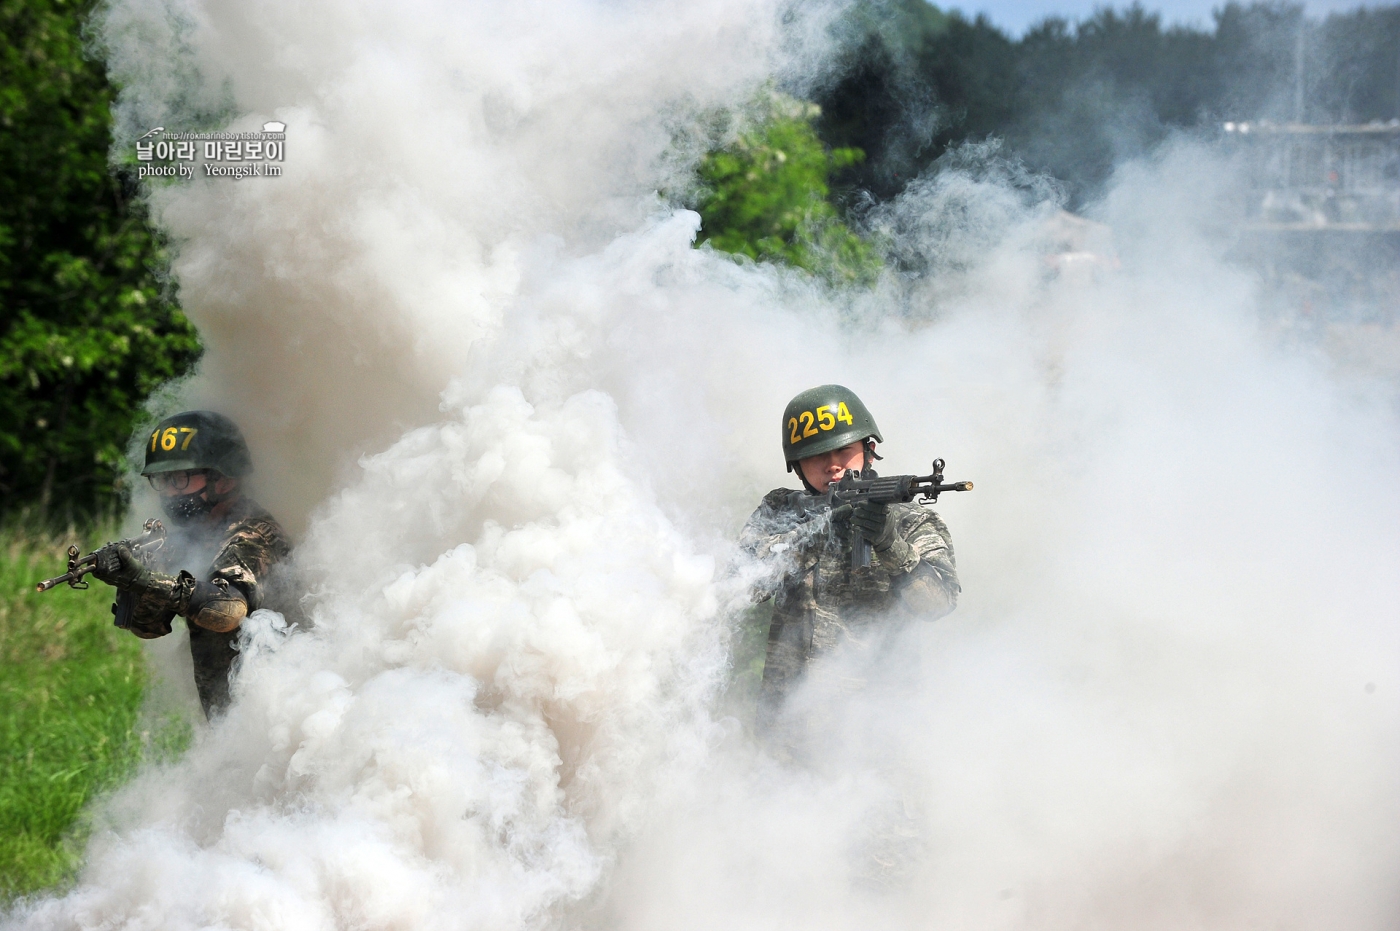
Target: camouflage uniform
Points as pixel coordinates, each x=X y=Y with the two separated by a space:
x=819 y=601
x=240 y=552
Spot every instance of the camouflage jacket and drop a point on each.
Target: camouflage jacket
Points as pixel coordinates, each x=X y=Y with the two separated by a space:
x=239 y=551
x=819 y=600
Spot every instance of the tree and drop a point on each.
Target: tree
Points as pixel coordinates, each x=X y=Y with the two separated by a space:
x=85 y=334
x=1359 y=53
x=1074 y=99
x=766 y=195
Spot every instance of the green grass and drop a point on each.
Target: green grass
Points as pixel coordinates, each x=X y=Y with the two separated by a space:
x=70 y=714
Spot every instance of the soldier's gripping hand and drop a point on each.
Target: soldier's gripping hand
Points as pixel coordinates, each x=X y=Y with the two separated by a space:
x=876 y=523
x=119 y=567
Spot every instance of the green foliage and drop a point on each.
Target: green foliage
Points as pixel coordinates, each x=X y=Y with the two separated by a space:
x=85 y=336
x=70 y=697
x=767 y=196
x=914 y=81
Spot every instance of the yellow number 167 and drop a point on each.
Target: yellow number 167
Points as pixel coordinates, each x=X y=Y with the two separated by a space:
x=825 y=418
x=167 y=439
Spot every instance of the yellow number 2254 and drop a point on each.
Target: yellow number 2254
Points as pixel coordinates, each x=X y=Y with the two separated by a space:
x=824 y=417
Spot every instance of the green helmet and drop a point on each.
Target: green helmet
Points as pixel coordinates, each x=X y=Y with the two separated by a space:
x=197 y=440
x=822 y=419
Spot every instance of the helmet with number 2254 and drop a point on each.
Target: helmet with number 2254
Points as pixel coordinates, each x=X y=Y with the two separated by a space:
x=822 y=419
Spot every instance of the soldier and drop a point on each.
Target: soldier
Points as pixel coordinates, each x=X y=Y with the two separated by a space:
x=818 y=599
x=215 y=566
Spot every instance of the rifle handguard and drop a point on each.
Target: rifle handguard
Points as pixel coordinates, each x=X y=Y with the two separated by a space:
x=151 y=540
x=855 y=487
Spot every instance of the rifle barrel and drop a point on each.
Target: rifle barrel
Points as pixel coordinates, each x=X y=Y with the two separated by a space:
x=66 y=577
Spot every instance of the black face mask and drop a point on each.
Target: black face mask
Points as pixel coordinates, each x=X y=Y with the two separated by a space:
x=186 y=509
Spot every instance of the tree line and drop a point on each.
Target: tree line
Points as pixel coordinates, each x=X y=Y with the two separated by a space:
x=87 y=329
x=1073 y=99
x=90 y=325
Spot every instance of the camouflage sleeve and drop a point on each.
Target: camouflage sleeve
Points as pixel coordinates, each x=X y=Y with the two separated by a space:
x=923 y=568
x=248 y=555
x=148 y=607
x=768 y=526
x=147 y=613
x=776 y=543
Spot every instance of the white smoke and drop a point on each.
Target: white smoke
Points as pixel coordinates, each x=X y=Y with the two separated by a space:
x=525 y=418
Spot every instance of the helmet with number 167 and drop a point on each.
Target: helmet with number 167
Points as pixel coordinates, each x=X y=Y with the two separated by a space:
x=822 y=419
x=197 y=440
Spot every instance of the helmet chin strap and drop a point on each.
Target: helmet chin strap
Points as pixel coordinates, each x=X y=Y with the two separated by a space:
x=211 y=493
x=870 y=454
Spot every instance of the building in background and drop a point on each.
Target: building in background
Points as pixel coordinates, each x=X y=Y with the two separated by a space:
x=1303 y=178
x=1317 y=213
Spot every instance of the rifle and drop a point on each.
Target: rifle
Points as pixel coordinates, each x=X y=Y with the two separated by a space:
x=856 y=487
x=150 y=541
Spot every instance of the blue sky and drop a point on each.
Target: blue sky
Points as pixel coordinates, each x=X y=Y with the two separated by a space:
x=1015 y=15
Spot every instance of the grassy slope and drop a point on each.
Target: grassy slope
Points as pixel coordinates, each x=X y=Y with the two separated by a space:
x=70 y=701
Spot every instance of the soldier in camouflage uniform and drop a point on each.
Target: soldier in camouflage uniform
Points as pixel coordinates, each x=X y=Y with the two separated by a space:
x=195 y=461
x=818 y=600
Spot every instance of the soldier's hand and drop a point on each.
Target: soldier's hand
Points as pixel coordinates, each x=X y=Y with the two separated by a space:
x=118 y=566
x=874 y=522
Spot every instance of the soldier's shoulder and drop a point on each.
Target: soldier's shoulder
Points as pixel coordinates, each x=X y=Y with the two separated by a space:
x=916 y=517
x=774 y=514
x=779 y=498
x=254 y=522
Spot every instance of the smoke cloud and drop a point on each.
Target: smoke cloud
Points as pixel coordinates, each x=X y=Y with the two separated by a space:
x=517 y=420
